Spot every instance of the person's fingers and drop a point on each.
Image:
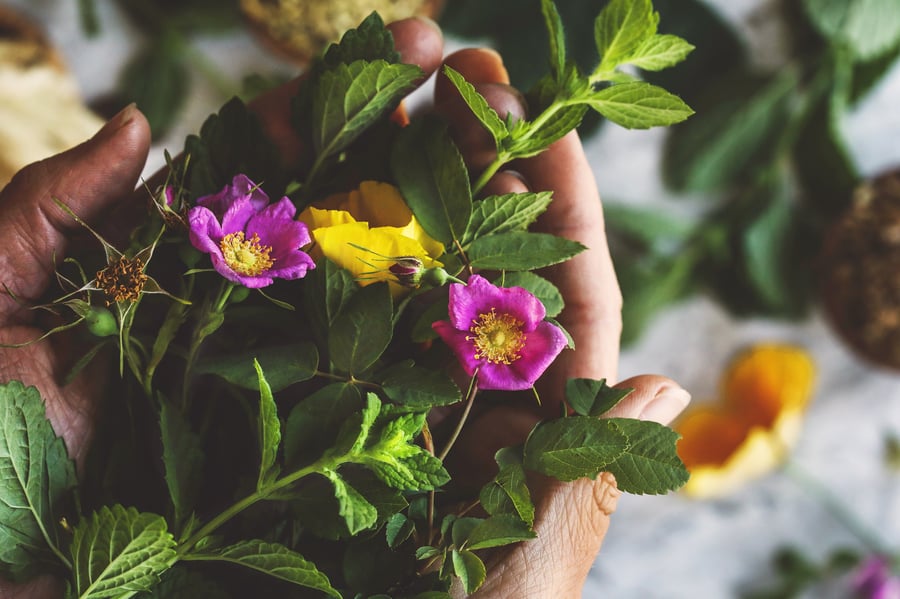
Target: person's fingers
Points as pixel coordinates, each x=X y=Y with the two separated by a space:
x=571 y=519
x=593 y=311
x=484 y=69
x=42 y=587
x=418 y=40
x=89 y=179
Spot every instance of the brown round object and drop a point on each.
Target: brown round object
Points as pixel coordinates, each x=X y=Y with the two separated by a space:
x=862 y=271
x=301 y=29
x=23 y=42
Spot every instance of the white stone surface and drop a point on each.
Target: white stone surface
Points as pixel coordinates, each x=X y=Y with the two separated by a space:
x=664 y=547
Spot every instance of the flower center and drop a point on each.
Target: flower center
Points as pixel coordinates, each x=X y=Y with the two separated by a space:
x=498 y=337
x=122 y=280
x=246 y=257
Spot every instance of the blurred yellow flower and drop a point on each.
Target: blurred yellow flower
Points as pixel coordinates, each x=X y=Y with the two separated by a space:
x=366 y=230
x=747 y=433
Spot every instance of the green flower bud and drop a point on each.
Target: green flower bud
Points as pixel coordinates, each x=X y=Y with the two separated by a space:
x=101 y=322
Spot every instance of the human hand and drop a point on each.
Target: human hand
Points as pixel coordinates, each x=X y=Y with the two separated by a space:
x=571 y=518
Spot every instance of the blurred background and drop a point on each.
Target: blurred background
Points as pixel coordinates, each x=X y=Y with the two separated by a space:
x=758 y=244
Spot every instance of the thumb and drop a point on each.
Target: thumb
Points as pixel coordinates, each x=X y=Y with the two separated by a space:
x=571 y=519
x=88 y=179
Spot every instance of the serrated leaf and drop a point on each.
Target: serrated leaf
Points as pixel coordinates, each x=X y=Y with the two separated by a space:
x=650 y=464
x=415 y=386
x=271 y=559
x=414 y=470
x=398 y=529
x=433 y=178
x=117 y=551
x=496 y=531
x=504 y=214
x=362 y=330
x=541 y=288
x=313 y=424
x=639 y=105
x=590 y=397
x=557 y=38
x=486 y=115
x=182 y=460
x=621 y=28
x=351 y=97
x=284 y=365
x=469 y=568
x=521 y=251
x=36 y=479
x=356 y=511
x=370 y=40
x=508 y=493
x=574 y=447
x=540 y=136
x=184 y=583
x=660 y=52
x=269 y=427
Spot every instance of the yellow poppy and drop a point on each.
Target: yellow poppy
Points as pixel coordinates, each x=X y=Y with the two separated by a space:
x=366 y=230
x=747 y=433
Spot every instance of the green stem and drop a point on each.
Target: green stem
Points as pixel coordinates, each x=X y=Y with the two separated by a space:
x=470 y=399
x=206 y=325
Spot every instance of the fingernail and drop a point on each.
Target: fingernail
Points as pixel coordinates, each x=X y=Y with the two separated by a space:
x=121 y=119
x=668 y=403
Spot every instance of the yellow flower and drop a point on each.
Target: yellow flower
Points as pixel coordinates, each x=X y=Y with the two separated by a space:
x=750 y=430
x=363 y=229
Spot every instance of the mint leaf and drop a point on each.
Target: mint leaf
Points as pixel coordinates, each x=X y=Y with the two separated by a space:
x=620 y=29
x=541 y=288
x=356 y=511
x=118 y=551
x=36 y=479
x=284 y=365
x=660 y=52
x=650 y=463
x=521 y=251
x=362 y=330
x=469 y=568
x=272 y=559
x=589 y=397
x=398 y=529
x=418 y=387
x=508 y=492
x=504 y=214
x=557 y=38
x=405 y=467
x=370 y=40
x=639 y=105
x=497 y=531
x=433 y=178
x=269 y=431
x=479 y=106
x=351 y=97
x=574 y=447
x=530 y=138
x=183 y=583
x=182 y=460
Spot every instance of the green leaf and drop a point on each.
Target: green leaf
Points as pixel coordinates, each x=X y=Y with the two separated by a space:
x=557 y=38
x=649 y=228
x=284 y=365
x=508 y=493
x=362 y=330
x=621 y=28
x=356 y=511
x=272 y=559
x=639 y=105
x=414 y=469
x=231 y=142
x=269 y=431
x=433 y=178
x=117 y=551
x=869 y=27
x=505 y=214
x=497 y=531
x=184 y=583
x=313 y=424
x=652 y=285
x=351 y=97
x=734 y=132
x=479 y=106
x=469 y=568
x=650 y=464
x=156 y=79
x=182 y=461
x=530 y=139
x=593 y=398
x=418 y=387
x=398 y=529
x=660 y=52
x=521 y=251
x=541 y=288
x=574 y=447
x=36 y=480
x=370 y=40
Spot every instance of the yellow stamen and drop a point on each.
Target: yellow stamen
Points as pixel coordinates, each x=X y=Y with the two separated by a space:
x=246 y=256
x=122 y=280
x=498 y=337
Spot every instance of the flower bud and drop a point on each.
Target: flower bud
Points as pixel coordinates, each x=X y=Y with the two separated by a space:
x=101 y=322
x=437 y=277
x=408 y=270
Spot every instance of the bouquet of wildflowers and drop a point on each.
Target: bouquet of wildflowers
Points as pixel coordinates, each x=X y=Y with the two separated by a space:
x=286 y=339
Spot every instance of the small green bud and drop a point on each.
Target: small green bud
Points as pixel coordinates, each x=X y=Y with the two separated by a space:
x=101 y=322
x=437 y=277
x=238 y=294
